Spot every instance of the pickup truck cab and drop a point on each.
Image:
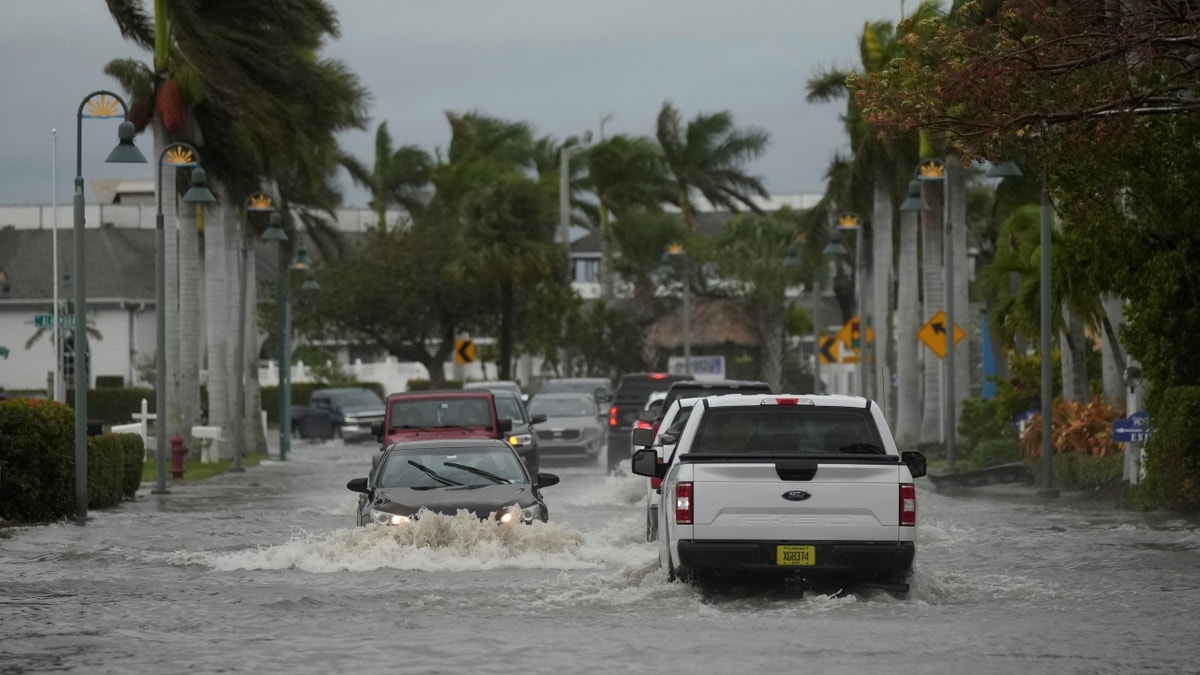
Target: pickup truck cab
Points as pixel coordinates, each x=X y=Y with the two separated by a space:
x=338 y=412
x=790 y=485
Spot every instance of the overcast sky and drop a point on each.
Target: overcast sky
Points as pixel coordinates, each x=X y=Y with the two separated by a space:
x=560 y=65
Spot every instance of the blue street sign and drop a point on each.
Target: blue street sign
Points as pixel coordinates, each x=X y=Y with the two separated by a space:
x=1132 y=429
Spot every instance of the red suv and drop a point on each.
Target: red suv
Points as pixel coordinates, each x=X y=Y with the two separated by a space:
x=453 y=413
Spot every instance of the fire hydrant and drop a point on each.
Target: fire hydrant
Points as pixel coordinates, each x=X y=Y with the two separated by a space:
x=179 y=452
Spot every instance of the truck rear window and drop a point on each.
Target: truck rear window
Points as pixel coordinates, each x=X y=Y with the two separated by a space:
x=433 y=413
x=765 y=430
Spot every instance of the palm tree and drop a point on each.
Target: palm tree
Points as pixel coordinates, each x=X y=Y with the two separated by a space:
x=706 y=156
x=397 y=178
x=625 y=172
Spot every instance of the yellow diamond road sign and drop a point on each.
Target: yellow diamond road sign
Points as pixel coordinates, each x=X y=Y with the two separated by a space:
x=464 y=352
x=828 y=351
x=933 y=334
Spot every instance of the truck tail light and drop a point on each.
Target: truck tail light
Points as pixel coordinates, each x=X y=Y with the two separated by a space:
x=683 y=503
x=908 y=504
x=642 y=424
x=612 y=416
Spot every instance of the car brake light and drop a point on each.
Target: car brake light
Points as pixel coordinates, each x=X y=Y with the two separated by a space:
x=642 y=424
x=786 y=400
x=612 y=416
x=908 y=504
x=683 y=503
x=658 y=376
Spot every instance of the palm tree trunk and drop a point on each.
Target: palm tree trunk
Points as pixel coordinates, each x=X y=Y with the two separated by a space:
x=217 y=315
x=770 y=329
x=880 y=319
x=1074 y=360
x=253 y=427
x=189 y=318
x=908 y=322
x=931 y=284
x=1111 y=352
x=166 y=179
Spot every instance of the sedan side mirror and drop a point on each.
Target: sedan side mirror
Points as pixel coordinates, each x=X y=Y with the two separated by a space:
x=358 y=485
x=915 y=462
x=546 y=479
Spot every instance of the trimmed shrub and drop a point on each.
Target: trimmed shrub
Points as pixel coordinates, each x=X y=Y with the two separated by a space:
x=1173 y=451
x=995 y=452
x=115 y=406
x=106 y=471
x=1082 y=472
x=37 y=460
x=134 y=452
x=983 y=421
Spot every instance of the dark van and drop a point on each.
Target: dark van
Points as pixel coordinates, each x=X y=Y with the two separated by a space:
x=632 y=391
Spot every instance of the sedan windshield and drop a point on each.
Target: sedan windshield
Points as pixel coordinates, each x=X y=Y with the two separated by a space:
x=473 y=467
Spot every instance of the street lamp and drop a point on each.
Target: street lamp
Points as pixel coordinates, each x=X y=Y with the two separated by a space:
x=935 y=170
x=849 y=222
x=666 y=267
x=99 y=104
x=178 y=155
x=1007 y=170
x=259 y=202
x=284 y=325
x=564 y=196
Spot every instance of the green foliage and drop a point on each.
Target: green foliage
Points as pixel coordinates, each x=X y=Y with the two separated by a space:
x=1023 y=389
x=982 y=421
x=1173 y=452
x=994 y=452
x=1077 y=472
x=37 y=460
x=109 y=382
x=106 y=470
x=116 y=405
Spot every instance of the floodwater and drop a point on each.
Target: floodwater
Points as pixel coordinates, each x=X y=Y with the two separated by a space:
x=265 y=572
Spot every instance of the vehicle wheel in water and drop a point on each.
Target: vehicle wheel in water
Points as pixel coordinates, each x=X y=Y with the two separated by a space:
x=337 y=433
x=296 y=431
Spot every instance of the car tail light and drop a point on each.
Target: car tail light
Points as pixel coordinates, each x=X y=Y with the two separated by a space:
x=683 y=503
x=786 y=400
x=908 y=504
x=612 y=416
x=642 y=424
x=658 y=376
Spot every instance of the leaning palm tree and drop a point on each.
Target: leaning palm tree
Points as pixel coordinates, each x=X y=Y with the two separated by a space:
x=624 y=172
x=706 y=156
x=398 y=176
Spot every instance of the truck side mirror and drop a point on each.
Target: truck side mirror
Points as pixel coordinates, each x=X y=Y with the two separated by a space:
x=643 y=437
x=915 y=462
x=377 y=430
x=645 y=463
x=503 y=425
x=538 y=418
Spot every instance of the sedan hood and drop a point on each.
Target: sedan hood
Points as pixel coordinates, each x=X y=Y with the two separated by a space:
x=448 y=500
x=363 y=411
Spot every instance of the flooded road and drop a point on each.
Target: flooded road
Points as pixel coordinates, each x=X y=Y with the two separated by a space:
x=265 y=572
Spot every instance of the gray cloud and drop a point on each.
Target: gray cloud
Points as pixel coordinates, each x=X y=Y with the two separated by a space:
x=557 y=64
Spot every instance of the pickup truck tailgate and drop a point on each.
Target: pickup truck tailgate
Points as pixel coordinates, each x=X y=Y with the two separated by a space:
x=761 y=501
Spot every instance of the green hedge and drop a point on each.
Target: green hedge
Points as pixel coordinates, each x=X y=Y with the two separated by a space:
x=425 y=385
x=1173 y=452
x=37 y=463
x=114 y=405
x=301 y=391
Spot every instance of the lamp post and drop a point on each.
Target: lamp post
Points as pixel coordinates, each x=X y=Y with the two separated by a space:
x=276 y=234
x=849 y=222
x=564 y=197
x=1009 y=169
x=935 y=170
x=256 y=203
x=100 y=104
x=177 y=155
x=673 y=251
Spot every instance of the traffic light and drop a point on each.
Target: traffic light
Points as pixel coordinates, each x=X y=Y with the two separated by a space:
x=855 y=334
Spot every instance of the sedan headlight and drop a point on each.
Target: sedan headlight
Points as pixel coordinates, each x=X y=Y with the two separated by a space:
x=384 y=518
x=514 y=513
x=518 y=440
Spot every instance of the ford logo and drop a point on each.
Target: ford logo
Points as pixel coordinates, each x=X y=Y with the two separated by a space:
x=796 y=495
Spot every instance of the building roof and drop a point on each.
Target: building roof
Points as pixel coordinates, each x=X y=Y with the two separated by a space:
x=714 y=322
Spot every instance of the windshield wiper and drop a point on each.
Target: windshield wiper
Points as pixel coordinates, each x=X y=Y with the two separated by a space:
x=433 y=474
x=477 y=471
x=409 y=426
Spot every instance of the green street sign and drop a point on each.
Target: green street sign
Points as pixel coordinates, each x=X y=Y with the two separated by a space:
x=47 y=321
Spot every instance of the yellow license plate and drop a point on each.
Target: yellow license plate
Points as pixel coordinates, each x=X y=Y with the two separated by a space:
x=795 y=555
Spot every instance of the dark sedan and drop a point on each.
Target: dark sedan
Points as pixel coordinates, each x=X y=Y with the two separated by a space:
x=482 y=476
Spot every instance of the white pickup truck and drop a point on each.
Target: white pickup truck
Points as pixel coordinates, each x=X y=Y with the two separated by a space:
x=810 y=486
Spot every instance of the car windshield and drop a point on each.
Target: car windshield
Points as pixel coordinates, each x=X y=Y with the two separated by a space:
x=786 y=430
x=573 y=406
x=507 y=406
x=573 y=386
x=471 y=467
x=432 y=413
x=358 y=398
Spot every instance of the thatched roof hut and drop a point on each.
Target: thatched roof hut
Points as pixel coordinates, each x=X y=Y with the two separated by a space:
x=715 y=322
